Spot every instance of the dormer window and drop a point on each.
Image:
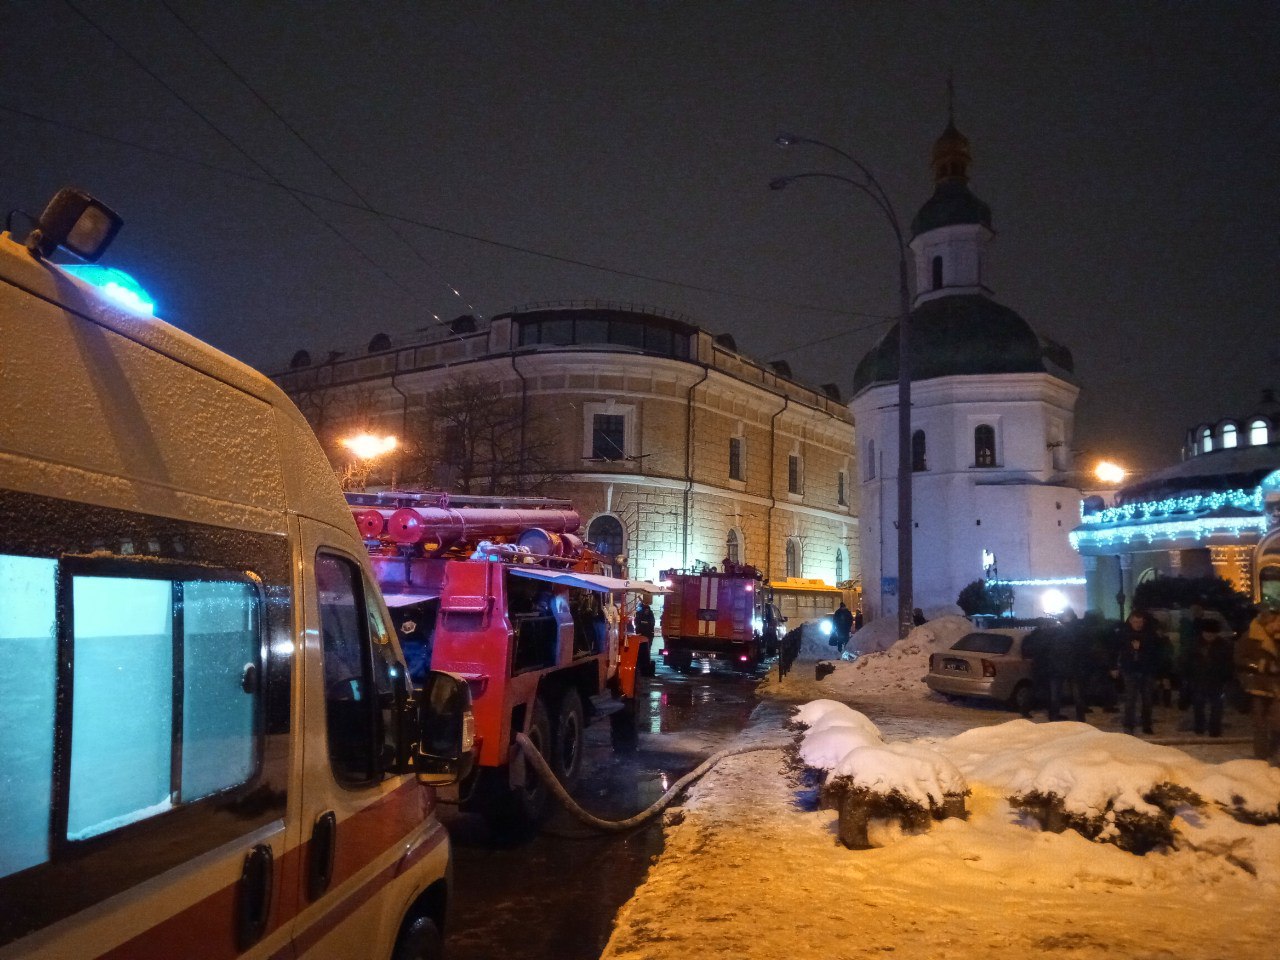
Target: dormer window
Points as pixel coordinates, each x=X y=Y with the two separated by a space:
x=1229 y=438
x=1258 y=433
x=1206 y=440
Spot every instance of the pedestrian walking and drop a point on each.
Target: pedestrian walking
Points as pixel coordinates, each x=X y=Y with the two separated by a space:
x=841 y=627
x=1207 y=668
x=1141 y=659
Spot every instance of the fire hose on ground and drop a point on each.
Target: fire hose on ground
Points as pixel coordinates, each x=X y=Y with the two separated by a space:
x=544 y=770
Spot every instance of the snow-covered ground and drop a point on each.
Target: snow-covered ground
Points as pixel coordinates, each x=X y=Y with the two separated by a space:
x=752 y=869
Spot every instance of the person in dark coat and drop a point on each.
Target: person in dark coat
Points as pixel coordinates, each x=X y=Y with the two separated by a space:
x=918 y=618
x=1207 y=668
x=1141 y=659
x=645 y=663
x=857 y=620
x=841 y=627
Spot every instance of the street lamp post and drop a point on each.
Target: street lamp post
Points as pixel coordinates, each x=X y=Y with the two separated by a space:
x=870 y=186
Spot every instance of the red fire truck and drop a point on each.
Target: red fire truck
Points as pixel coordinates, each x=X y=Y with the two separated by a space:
x=501 y=592
x=714 y=612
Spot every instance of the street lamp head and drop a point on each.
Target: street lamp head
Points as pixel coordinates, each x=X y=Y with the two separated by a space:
x=785 y=139
x=779 y=183
x=366 y=446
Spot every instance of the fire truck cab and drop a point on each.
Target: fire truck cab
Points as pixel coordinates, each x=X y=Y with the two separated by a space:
x=209 y=746
x=502 y=592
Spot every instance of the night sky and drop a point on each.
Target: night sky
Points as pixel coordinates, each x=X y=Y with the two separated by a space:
x=1129 y=152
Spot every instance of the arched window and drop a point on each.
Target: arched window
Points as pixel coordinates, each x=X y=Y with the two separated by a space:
x=1258 y=433
x=605 y=536
x=1228 y=436
x=1206 y=440
x=937 y=272
x=732 y=547
x=984 y=445
x=869 y=468
x=839 y=566
x=918 y=451
x=793 y=558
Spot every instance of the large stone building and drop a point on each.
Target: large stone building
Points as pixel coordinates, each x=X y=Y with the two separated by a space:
x=674 y=446
x=1217 y=513
x=993 y=409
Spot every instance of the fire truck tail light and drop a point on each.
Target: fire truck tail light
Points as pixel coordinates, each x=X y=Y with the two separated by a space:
x=744 y=658
x=988 y=668
x=664 y=651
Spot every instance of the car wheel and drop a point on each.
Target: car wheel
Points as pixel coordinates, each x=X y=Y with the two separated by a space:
x=419 y=940
x=1022 y=699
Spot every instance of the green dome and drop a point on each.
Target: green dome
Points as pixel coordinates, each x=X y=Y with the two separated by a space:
x=952 y=203
x=963 y=335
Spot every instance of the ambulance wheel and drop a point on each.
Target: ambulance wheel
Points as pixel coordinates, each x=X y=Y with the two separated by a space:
x=419 y=940
x=568 y=740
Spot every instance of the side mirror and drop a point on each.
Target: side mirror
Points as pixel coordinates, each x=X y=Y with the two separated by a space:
x=446 y=730
x=74 y=220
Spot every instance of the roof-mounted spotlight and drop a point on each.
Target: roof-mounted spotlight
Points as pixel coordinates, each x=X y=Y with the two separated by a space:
x=78 y=223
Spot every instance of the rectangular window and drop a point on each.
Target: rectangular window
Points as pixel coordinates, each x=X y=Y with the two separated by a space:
x=735 y=458
x=841 y=497
x=178 y=653
x=28 y=697
x=361 y=677
x=794 y=478
x=608 y=436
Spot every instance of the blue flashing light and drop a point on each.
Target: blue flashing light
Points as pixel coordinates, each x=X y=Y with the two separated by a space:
x=116 y=285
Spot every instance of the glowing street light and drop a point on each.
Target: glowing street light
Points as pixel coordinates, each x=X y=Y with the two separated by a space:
x=367 y=446
x=1109 y=472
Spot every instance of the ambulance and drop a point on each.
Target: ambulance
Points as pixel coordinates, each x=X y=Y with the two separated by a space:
x=209 y=744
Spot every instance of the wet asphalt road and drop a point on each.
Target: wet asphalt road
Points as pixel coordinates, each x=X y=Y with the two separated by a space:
x=555 y=895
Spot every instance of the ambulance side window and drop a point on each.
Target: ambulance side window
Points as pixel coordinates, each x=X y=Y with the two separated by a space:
x=359 y=661
x=157 y=706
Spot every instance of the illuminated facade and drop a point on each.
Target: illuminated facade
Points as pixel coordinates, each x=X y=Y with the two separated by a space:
x=1217 y=513
x=993 y=412
x=673 y=446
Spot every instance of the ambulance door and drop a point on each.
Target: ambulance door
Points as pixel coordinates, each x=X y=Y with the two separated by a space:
x=358 y=817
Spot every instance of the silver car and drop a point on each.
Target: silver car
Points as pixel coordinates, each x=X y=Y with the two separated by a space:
x=987 y=664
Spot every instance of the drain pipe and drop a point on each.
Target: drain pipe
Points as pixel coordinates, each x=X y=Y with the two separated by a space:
x=524 y=412
x=773 y=484
x=404 y=429
x=688 y=468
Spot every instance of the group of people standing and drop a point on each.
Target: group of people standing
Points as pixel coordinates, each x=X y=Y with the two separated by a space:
x=1084 y=660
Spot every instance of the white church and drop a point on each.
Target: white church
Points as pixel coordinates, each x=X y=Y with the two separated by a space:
x=993 y=408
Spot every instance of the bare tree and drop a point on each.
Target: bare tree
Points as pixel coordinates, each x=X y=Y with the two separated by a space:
x=487 y=443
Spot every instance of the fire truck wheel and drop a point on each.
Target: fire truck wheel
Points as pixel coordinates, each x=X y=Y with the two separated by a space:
x=533 y=800
x=419 y=940
x=567 y=739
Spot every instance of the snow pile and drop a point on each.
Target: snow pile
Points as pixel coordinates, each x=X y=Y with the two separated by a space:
x=918 y=773
x=1106 y=786
x=845 y=744
x=1096 y=772
x=897 y=669
x=994 y=886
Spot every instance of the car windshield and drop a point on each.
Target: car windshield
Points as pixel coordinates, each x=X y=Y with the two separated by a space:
x=984 y=643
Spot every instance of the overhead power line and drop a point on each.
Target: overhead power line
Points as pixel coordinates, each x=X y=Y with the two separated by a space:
x=296 y=195
x=270 y=108
x=438 y=228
